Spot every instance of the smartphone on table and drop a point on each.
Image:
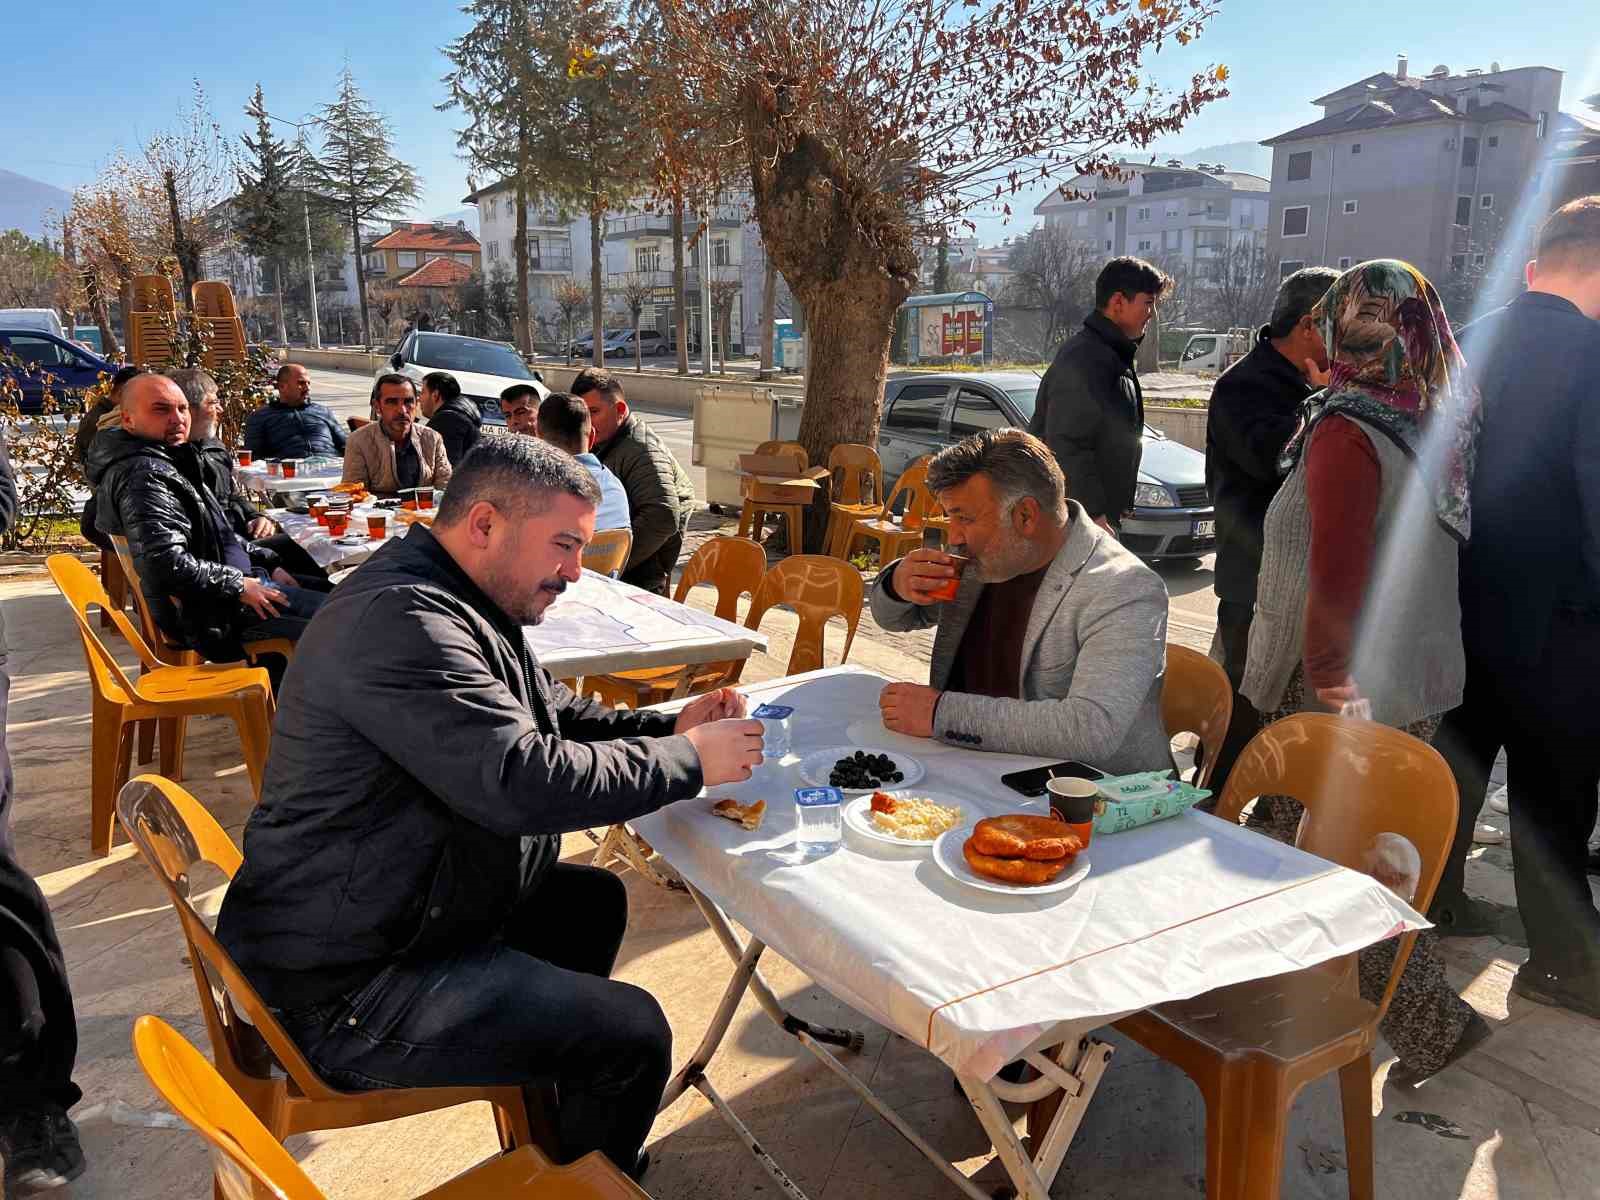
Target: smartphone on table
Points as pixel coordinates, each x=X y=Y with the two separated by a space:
x=1032 y=781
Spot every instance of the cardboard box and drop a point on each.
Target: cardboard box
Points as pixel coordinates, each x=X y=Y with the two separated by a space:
x=772 y=479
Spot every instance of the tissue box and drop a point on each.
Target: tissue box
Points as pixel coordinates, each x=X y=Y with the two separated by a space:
x=1129 y=801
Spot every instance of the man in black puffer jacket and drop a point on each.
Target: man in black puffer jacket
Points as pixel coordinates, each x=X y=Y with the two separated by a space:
x=206 y=587
x=450 y=414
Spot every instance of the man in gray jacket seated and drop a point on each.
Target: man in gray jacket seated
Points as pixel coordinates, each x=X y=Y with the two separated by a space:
x=1055 y=642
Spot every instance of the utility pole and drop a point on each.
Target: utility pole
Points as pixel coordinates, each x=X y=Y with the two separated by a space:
x=311 y=274
x=705 y=293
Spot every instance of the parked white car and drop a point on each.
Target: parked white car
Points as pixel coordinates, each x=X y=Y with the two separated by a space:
x=483 y=368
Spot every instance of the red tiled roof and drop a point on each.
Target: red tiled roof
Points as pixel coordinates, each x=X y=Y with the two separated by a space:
x=427 y=237
x=436 y=273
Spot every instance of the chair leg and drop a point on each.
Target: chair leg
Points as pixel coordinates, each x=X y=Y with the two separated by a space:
x=106 y=735
x=255 y=733
x=1227 y=1099
x=1355 y=1095
x=1268 y=1126
x=147 y=741
x=173 y=732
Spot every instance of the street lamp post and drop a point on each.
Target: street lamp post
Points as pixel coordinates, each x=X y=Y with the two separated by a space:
x=314 y=338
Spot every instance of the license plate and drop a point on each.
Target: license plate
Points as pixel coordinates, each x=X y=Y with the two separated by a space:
x=1205 y=529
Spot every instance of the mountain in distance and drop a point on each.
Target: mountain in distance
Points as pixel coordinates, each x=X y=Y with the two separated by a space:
x=1250 y=157
x=26 y=204
x=467 y=216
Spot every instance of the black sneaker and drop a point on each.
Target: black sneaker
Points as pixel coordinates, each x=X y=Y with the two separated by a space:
x=41 y=1150
x=1578 y=994
x=1467 y=916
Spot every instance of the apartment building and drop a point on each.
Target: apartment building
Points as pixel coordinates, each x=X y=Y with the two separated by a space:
x=410 y=246
x=1428 y=169
x=636 y=244
x=1176 y=216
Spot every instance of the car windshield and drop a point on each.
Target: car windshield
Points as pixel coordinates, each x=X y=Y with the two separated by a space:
x=469 y=354
x=1023 y=398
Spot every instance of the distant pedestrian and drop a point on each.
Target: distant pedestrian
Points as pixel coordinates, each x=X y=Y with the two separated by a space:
x=1090 y=410
x=454 y=417
x=1357 y=592
x=1255 y=406
x=1530 y=601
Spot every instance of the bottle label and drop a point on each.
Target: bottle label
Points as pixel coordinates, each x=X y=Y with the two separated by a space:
x=816 y=797
x=773 y=712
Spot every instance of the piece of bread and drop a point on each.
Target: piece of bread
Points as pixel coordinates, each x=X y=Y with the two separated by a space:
x=1022 y=872
x=1025 y=835
x=748 y=815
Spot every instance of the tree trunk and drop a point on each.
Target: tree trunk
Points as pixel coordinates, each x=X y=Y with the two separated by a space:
x=361 y=277
x=277 y=288
x=597 y=219
x=638 y=349
x=187 y=254
x=680 y=287
x=520 y=249
x=769 y=316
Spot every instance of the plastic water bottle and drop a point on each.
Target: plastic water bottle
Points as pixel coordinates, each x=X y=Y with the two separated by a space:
x=819 y=824
x=774 y=720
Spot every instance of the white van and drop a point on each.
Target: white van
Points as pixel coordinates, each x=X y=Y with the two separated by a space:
x=32 y=318
x=1216 y=352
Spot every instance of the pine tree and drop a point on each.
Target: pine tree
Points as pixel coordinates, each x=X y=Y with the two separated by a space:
x=266 y=222
x=358 y=173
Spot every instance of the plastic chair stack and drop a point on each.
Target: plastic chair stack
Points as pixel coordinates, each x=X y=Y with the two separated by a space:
x=856 y=475
x=894 y=537
x=153 y=323
x=215 y=312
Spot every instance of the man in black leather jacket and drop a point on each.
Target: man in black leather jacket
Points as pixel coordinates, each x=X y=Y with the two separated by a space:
x=451 y=415
x=206 y=587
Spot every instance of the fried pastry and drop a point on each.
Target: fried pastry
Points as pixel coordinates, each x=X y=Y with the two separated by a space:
x=748 y=815
x=1025 y=835
x=1022 y=872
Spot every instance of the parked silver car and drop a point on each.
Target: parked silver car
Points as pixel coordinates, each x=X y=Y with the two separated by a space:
x=924 y=413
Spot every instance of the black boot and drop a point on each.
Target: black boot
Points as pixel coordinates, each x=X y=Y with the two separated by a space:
x=41 y=1150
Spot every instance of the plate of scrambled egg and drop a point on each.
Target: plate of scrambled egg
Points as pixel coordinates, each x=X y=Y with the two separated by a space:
x=903 y=817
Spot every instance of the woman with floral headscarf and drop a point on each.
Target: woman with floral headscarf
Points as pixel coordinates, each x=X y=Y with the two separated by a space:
x=1357 y=608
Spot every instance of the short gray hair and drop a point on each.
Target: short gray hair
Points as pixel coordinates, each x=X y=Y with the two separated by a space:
x=1017 y=464
x=197 y=383
x=517 y=475
x=1297 y=296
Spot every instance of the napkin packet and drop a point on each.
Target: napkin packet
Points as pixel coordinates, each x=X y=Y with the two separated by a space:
x=1129 y=801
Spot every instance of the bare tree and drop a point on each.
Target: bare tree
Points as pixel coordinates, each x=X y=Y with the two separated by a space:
x=722 y=293
x=1240 y=286
x=635 y=291
x=1054 y=273
x=191 y=167
x=572 y=299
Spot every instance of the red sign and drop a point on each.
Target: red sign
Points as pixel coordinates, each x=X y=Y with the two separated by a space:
x=962 y=333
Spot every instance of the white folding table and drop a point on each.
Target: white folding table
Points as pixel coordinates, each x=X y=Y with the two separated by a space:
x=1167 y=911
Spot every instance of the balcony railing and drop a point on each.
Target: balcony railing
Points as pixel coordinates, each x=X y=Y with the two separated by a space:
x=656 y=279
x=660 y=224
x=550 y=262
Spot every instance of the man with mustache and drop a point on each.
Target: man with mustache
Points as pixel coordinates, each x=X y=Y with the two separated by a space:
x=400 y=906
x=394 y=452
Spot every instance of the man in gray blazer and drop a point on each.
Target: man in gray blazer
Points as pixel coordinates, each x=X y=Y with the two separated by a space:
x=1055 y=642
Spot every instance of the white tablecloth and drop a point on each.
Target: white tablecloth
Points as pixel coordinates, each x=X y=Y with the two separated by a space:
x=313 y=475
x=354 y=548
x=1167 y=911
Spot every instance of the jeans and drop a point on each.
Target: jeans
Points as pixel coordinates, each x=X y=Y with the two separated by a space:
x=293 y=558
x=535 y=1005
x=1543 y=715
x=38 y=1034
x=303 y=604
x=1233 y=632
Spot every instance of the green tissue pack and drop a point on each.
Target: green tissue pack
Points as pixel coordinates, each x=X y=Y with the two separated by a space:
x=1129 y=801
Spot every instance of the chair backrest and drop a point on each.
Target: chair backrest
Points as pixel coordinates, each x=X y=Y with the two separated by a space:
x=1356 y=779
x=1197 y=698
x=793 y=449
x=241 y=1146
x=213 y=298
x=157 y=640
x=857 y=474
x=173 y=832
x=608 y=553
x=816 y=586
x=732 y=565
x=82 y=591
x=153 y=293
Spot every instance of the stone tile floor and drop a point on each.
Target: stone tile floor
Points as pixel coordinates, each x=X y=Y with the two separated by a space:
x=1519 y=1118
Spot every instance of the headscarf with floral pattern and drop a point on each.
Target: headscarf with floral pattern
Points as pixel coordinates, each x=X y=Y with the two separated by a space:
x=1394 y=365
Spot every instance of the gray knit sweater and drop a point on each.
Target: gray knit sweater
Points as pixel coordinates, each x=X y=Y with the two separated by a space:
x=1407 y=658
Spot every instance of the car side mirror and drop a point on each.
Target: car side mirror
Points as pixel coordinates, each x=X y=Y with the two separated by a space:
x=397 y=362
x=538 y=376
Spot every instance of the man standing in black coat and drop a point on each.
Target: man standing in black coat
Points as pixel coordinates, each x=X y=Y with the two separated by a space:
x=1530 y=611
x=1255 y=406
x=401 y=906
x=451 y=415
x=1090 y=410
x=38 y=1035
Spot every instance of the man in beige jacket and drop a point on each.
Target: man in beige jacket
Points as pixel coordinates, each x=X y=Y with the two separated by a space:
x=394 y=452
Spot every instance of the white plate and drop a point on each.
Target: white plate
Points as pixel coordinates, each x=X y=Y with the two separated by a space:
x=858 y=814
x=947 y=855
x=818 y=765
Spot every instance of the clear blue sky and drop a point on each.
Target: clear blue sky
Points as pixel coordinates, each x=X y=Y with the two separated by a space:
x=85 y=79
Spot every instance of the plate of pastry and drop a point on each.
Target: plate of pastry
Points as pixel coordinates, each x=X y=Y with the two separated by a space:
x=1014 y=854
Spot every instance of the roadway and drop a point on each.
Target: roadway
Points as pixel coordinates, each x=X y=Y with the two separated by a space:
x=1189 y=581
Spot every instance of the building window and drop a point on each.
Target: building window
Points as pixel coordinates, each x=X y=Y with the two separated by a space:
x=1355 y=148
x=1108 y=243
x=1344 y=262
x=1300 y=166
x=720 y=256
x=1144 y=214
x=1349 y=208
x=1493 y=141
x=1463 y=210
x=494 y=251
x=1540 y=124
x=1458 y=263
x=1296 y=220
x=1486 y=201
x=405 y=258
x=1472 y=103
x=1244 y=220
x=1469 y=152
x=1145 y=243
x=1111 y=215
x=647 y=258
x=1477 y=260
x=1174 y=210
x=1083 y=219
x=1288 y=266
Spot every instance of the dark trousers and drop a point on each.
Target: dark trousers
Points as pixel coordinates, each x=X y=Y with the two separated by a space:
x=294 y=559
x=533 y=1006
x=38 y=1034
x=1545 y=718
x=654 y=574
x=290 y=623
x=1233 y=632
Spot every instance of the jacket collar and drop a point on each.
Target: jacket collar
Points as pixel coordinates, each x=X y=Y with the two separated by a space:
x=1271 y=360
x=421 y=542
x=1546 y=300
x=1106 y=330
x=624 y=431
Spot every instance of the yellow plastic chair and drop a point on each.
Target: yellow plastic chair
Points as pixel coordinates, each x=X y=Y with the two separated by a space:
x=1197 y=698
x=119 y=703
x=608 y=553
x=817 y=587
x=173 y=833
x=213 y=308
x=892 y=536
x=855 y=474
x=755 y=514
x=1252 y=1047
x=732 y=565
x=151 y=324
x=251 y=1163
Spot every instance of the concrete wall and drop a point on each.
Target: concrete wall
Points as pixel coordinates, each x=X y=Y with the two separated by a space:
x=334 y=360
x=1185 y=425
x=669 y=393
